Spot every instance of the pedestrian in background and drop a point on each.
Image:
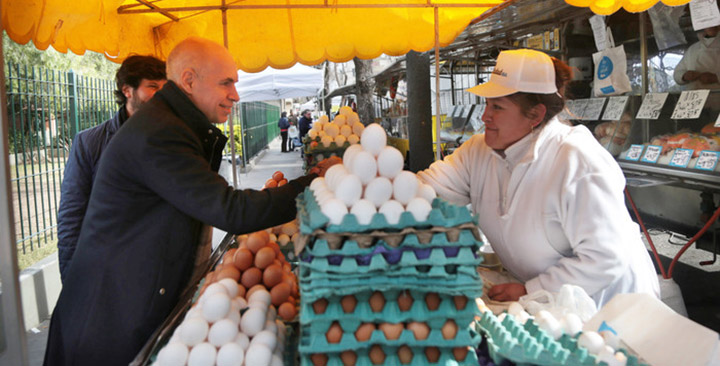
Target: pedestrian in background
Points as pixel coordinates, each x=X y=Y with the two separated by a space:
x=283 y=124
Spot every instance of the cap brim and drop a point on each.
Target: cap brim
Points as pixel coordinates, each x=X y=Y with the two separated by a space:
x=491 y=90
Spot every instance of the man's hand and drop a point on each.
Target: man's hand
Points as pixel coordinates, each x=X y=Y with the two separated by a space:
x=708 y=78
x=324 y=165
x=691 y=76
x=507 y=292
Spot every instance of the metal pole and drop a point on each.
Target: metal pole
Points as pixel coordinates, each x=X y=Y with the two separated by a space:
x=419 y=110
x=230 y=119
x=643 y=52
x=437 y=85
x=13 y=342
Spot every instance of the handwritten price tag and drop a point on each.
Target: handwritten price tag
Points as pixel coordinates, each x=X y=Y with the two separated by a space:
x=690 y=104
x=681 y=158
x=635 y=152
x=652 y=154
x=593 y=109
x=651 y=106
x=614 y=108
x=707 y=160
x=578 y=108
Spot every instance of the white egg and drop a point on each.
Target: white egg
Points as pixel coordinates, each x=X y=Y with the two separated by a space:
x=571 y=324
x=234 y=315
x=379 y=191
x=212 y=289
x=223 y=331
x=283 y=239
x=203 y=354
x=270 y=325
x=193 y=331
x=323 y=119
x=242 y=340
x=427 y=192
x=611 y=339
x=271 y=313
x=345 y=111
x=216 y=306
x=333 y=175
x=230 y=285
x=346 y=131
x=348 y=156
x=281 y=328
x=260 y=295
x=313 y=134
x=231 y=354
x=514 y=308
x=592 y=341
x=419 y=208
x=335 y=210
x=323 y=197
x=353 y=139
x=392 y=210
x=373 y=139
x=547 y=322
x=252 y=321
x=390 y=162
x=358 y=129
x=364 y=166
x=340 y=120
x=363 y=210
x=258 y=355
x=276 y=360
x=173 y=354
x=241 y=303
x=267 y=338
x=317 y=183
x=405 y=187
x=523 y=317
x=326 y=141
x=352 y=118
x=340 y=140
x=273 y=237
x=257 y=303
x=349 y=189
x=194 y=312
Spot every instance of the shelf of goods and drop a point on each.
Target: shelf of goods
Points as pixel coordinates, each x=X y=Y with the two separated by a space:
x=331 y=138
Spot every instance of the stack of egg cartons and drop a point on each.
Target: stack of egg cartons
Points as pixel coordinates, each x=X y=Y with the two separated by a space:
x=387 y=271
x=330 y=138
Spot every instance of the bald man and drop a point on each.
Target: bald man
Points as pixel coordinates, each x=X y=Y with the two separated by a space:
x=155 y=191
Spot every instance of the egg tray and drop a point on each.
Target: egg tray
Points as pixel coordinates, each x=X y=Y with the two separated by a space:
x=321 y=149
x=442 y=214
x=528 y=344
x=317 y=342
x=390 y=312
x=363 y=359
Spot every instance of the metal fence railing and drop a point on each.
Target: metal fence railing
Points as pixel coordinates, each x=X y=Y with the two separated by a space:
x=259 y=125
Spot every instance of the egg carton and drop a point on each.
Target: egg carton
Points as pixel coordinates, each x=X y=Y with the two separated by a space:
x=311 y=342
x=405 y=274
x=442 y=214
x=447 y=358
x=321 y=149
x=528 y=344
x=363 y=313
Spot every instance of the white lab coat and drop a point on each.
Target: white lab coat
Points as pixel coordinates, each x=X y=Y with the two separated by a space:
x=702 y=56
x=553 y=210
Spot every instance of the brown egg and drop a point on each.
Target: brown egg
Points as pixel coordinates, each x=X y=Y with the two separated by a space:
x=210 y=278
x=251 y=277
x=432 y=300
x=420 y=330
x=460 y=302
x=364 y=331
x=278 y=176
x=264 y=257
x=276 y=249
x=243 y=259
x=279 y=293
x=319 y=359
x=460 y=353
x=287 y=267
x=348 y=303
x=272 y=275
x=282 y=182
x=319 y=306
x=405 y=355
x=349 y=358
x=334 y=333
x=257 y=240
x=377 y=356
x=392 y=331
x=257 y=287
x=228 y=272
x=270 y=183
x=287 y=311
x=449 y=329
x=241 y=290
x=219 y=267
x=377 y=302
x=228 y=256
x=432 y=354
x=405 y=301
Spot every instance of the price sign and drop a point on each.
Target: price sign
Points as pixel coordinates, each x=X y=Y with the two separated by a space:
x=681 y=158
x=652 y=154
x=717 y=121
x=651 y=106
x=707 y=160
x=578 y=108
x=615 y=108
x=593 y=109
x=565 y=113
x=634 y=153
x=690 y=104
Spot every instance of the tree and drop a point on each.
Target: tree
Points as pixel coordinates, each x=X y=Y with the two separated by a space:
x=365 y=85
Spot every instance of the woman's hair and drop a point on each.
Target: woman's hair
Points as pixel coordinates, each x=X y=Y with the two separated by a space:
x=554 y=103
x=283 y=114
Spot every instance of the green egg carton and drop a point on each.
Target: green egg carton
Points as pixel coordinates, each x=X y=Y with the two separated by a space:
x=311 y=291
x=528 y=344
x=442 y=214
x=446 y=358
x=362 y=313
x=406 y=274
x=317 y=342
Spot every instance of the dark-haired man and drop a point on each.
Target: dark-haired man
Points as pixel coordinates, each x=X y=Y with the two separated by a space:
x=137 y=79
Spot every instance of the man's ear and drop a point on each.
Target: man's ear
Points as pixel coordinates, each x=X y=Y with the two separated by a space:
x=188 y=77
x=127 y=91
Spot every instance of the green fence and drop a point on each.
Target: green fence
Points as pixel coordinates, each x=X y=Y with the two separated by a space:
x=259 y=122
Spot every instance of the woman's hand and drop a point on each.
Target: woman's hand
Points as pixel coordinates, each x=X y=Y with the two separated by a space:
x=507 y=292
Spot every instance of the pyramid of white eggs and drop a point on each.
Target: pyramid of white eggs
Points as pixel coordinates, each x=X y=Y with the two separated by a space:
x=371 y=180
x=346 y=127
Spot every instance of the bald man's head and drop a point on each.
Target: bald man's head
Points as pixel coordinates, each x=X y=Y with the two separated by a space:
x=206 y=72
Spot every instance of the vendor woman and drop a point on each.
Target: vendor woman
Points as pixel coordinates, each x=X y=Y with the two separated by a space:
x=548 y=197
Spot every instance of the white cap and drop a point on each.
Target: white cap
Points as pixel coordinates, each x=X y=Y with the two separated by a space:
x=516 y=71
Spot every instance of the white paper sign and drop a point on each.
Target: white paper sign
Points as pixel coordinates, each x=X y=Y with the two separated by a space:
x=614 y=109
x=593 y=109
x=597 y=22
x=578 y=108
x=681 y=158
x=652 y=154
x=690 y=104
x=634 y=152
x=651 y=106
x=565 y=113
x=717 y=121
x=707 y=160
x=704 y=14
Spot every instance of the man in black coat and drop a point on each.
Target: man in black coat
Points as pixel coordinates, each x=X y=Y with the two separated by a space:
x=155 y=187
x=283 y=124
x=304 y=123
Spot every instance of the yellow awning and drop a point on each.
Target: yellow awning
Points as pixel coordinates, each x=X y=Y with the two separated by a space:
x=260 y=33
x=607 y=7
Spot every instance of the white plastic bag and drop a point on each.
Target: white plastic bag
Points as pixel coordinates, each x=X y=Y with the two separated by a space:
x=570 y=299
x=610 y=77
